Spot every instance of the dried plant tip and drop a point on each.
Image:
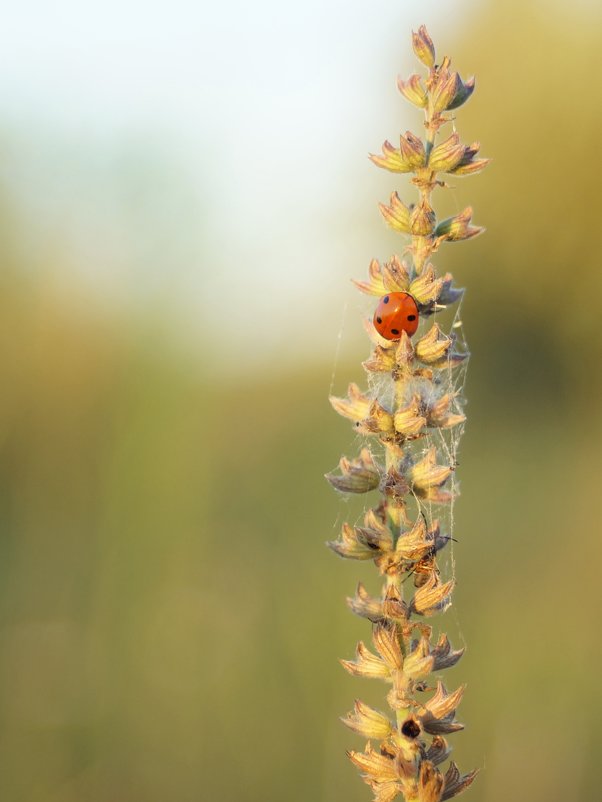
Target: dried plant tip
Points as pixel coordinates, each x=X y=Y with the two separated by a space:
x=468 y=164
x=427 y=473
x=374 y=285
x=357 y=476
x=355 y=407
x=449 y=294
x=366 y=664
x=413 y=91
x=438 y=751
x=458 y=228
x=445 y=91
x=365 y=605
x=443 y=654
x=393 y=605
x=408 y=420
x=368 y=722
x=426 y=287
x=423 y=46
x=422 y=219
x=447 y=155
x=437 y=715
x=353 y=545
x=407 y=158
x=433 y=597
x=387 y=645
x=456 y=783
x=463 y=91
x=397 y=214
x=431 y=347
x=373 y=764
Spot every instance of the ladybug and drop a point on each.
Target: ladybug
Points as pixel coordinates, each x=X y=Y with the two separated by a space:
x=395 y=313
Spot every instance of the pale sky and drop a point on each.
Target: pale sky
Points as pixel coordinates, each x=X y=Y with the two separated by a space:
x=202 y=152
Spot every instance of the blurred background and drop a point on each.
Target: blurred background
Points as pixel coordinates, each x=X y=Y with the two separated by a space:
x=184 y=196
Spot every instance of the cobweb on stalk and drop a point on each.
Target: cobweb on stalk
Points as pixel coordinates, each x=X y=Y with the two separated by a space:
x=450 y=380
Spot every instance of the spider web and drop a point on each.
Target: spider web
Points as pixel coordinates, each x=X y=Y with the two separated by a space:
x=446 y=441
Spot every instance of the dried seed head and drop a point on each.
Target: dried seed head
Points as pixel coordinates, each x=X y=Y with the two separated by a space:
x=397 y=214
x=437 y=715
x=413 y=90
x=468 y=164
x=434 y=345
x=408 y=157
x=432 y=597
x=355 y=407
x=393 y=605
x=374 y=285
x=443 y=654
x=357 y=476
x=423 y=46
x=463 y=91
x=366 y=664
x=387 y=645
x=454 y=783
x=458 y=228
x=368 y=722
x=426 y=287
x=372 y=764
x=422 y=219
x=438 y=751
x=427 y=473
x=447 y=155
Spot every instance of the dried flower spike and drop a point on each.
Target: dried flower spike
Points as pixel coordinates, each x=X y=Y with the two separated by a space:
x=414 y=420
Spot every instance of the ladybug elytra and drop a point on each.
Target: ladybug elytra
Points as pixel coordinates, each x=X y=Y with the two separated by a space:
x=396 y=312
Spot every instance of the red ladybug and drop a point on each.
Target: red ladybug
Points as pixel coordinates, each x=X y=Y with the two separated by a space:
x=396 y=312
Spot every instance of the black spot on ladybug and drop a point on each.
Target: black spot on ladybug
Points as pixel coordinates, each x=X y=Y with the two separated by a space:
x=386 y=299
x=379 y=320
x=394 y=331
x=411 y=317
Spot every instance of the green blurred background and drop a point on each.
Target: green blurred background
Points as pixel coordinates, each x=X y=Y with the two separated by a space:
x=184 y=198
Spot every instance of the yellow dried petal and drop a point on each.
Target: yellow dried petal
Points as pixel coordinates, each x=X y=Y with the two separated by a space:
x=366 y=664
x=430 y=349
x=397 y=214
x=413 y=90
x=374 y=285
x=387 y=645
x=368 y=722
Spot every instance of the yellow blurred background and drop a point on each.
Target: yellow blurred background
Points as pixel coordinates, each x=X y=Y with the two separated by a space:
x=184 y=197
